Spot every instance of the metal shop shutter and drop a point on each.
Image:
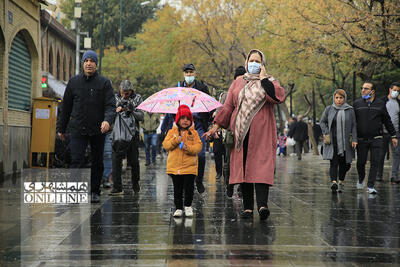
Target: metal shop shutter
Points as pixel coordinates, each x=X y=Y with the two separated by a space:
x=19 y=75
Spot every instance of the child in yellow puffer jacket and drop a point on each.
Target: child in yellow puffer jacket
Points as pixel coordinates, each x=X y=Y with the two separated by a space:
x=183 y=145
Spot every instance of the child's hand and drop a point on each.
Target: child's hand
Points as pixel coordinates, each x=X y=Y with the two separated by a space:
x=184 y=147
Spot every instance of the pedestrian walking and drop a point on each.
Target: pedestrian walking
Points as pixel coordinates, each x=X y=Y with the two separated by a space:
x=201 y=120
x=392 y=106
x=160 y=137
x=371 y=115
x=183 y=145
x=218 y=145
x=150 y=124
x=338 y=124
x=299 y=132
x=88 y=109
x=249 y=112
x=126 y=102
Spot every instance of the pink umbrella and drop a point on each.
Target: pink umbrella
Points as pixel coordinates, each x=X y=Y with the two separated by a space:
x=168 y=101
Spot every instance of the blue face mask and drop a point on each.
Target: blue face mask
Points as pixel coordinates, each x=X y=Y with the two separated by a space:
x=189 y=79
x=254 y=67
x=367 y=96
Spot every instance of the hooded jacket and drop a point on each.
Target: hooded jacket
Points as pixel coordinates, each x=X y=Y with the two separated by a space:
x=181 y=162
x=87 y=102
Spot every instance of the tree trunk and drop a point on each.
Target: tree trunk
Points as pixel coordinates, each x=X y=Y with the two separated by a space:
x=313 y=142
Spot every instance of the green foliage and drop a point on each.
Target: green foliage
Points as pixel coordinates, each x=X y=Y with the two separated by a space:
x=317 y=44
x=133 y=16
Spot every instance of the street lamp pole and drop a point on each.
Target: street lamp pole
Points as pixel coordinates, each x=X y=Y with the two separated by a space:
x=101 y=35
x=77 y=16
x=120 y=22
x=77 y=47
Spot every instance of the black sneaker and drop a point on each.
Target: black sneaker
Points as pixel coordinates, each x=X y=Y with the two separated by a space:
x=264 y=213
x=116 y=192
x=95 y=198
x=136 y=187
x=147 y=164
x=219 y=175
x=246 y=215
x=200 y=187
x=334 y=187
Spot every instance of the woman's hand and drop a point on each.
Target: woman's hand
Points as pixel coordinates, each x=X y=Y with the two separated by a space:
x=354 y=145
x=211 y=133
x=263 y=73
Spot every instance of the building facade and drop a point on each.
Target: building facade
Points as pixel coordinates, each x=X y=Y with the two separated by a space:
x=57 y=48
x=19 y=79
x=30 y=41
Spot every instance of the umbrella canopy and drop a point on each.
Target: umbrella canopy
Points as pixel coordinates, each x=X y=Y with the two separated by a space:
x=168 y=101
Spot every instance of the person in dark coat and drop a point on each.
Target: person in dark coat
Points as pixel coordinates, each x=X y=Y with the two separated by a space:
x=201 y=120
x=371 y=115
x=338 y=123
x=299 y=133
x=126 y=102
x=88 y=110
x=393 y=108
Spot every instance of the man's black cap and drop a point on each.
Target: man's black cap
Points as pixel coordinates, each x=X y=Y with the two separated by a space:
x=189 y=66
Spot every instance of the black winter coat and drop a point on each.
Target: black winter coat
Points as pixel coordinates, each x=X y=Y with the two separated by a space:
x=87 y=102
x=370 y=118
x=299 y=131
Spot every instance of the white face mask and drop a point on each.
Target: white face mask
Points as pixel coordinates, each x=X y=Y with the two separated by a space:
x=394 y=94
x=189 y=79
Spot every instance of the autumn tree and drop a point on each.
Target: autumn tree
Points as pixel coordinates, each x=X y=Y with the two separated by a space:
x=134 y=14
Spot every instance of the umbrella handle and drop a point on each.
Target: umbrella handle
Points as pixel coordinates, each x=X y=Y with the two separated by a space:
x=194 y=99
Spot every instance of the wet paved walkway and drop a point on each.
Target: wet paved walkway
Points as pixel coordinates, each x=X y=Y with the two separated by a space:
x=308 y=225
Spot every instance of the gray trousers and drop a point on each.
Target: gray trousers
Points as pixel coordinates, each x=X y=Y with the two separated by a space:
x=395 y=160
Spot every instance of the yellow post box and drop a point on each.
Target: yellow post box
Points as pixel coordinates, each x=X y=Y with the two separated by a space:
x=44 y=119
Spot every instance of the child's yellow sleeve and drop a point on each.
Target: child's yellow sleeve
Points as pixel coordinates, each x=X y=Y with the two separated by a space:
x=195 y=148
x=171 y=140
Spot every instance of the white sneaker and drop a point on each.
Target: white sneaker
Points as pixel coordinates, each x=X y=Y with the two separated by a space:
x=188 y=212
x=178 y=213
x=360 y=186
x=371 y=190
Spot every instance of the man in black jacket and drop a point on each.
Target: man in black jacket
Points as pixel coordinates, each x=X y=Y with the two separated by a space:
x=201 y=120
x=89 y=109
x=371 y=115
x=393 y=108
x=299 y=133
